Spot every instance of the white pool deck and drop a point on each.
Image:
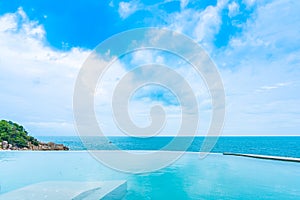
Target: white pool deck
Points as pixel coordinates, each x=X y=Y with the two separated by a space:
x=66 y=190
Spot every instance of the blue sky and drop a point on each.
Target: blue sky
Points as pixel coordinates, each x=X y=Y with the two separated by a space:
x=254 y=44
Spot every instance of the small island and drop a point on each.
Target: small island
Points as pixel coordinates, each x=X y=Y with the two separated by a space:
x=14 y=137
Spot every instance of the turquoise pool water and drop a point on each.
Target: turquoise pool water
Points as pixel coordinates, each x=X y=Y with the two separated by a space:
x=215 y=177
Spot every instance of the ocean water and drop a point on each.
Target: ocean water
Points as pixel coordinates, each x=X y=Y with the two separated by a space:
x=276 y=146
x=215 y=177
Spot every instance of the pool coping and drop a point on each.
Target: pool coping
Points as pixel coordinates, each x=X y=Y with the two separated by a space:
x=265 y=157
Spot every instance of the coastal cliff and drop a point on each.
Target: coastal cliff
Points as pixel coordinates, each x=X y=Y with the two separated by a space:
x=14 y=137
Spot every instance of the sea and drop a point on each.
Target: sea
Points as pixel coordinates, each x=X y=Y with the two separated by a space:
x=287 y=146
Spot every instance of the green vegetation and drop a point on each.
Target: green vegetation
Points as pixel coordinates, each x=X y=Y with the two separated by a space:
x=15 y=134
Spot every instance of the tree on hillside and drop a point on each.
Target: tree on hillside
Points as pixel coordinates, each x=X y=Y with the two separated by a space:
x=15 y=134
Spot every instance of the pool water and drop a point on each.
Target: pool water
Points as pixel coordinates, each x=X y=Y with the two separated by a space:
x=215 y=177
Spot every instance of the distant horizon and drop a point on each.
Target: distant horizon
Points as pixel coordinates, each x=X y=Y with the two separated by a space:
x=174 y=136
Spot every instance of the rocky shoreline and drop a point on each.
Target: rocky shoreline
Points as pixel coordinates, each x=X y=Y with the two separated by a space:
x=14 y=137
x=50 y=146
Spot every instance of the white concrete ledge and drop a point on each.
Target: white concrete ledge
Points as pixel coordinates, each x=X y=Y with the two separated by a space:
x=288 y=159
x=65 y=190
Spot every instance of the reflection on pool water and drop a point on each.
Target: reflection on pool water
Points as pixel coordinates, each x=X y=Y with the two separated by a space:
x=215 y=177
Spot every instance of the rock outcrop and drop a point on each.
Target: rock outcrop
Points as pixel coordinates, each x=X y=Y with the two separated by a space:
x=14 y=137
x=50 y=146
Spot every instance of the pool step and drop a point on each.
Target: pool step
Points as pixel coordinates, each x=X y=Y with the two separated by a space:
x=66 y=190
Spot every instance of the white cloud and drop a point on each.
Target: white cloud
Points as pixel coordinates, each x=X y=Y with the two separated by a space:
x=8 y=22
x=139 y=109
x=38 y=85
x=259 y=66
x=272 y=87
x=183 y=3
x=19 y=22
x=50 y=124
x=209 y=21
x=249 y=3
x=128 y=8
x=201 y=25
x=233 y=9
x=263 y=34
x=36 y=81
x=146 y=57
x=260 y=71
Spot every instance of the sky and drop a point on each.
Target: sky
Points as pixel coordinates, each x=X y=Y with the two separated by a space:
x=254 y=44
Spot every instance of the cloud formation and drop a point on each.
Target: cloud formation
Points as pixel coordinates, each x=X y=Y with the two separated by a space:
x=259 y=67
x=36 y=80
x=128 y=8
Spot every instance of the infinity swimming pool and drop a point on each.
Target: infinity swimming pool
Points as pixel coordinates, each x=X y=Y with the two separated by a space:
x=215 y=177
